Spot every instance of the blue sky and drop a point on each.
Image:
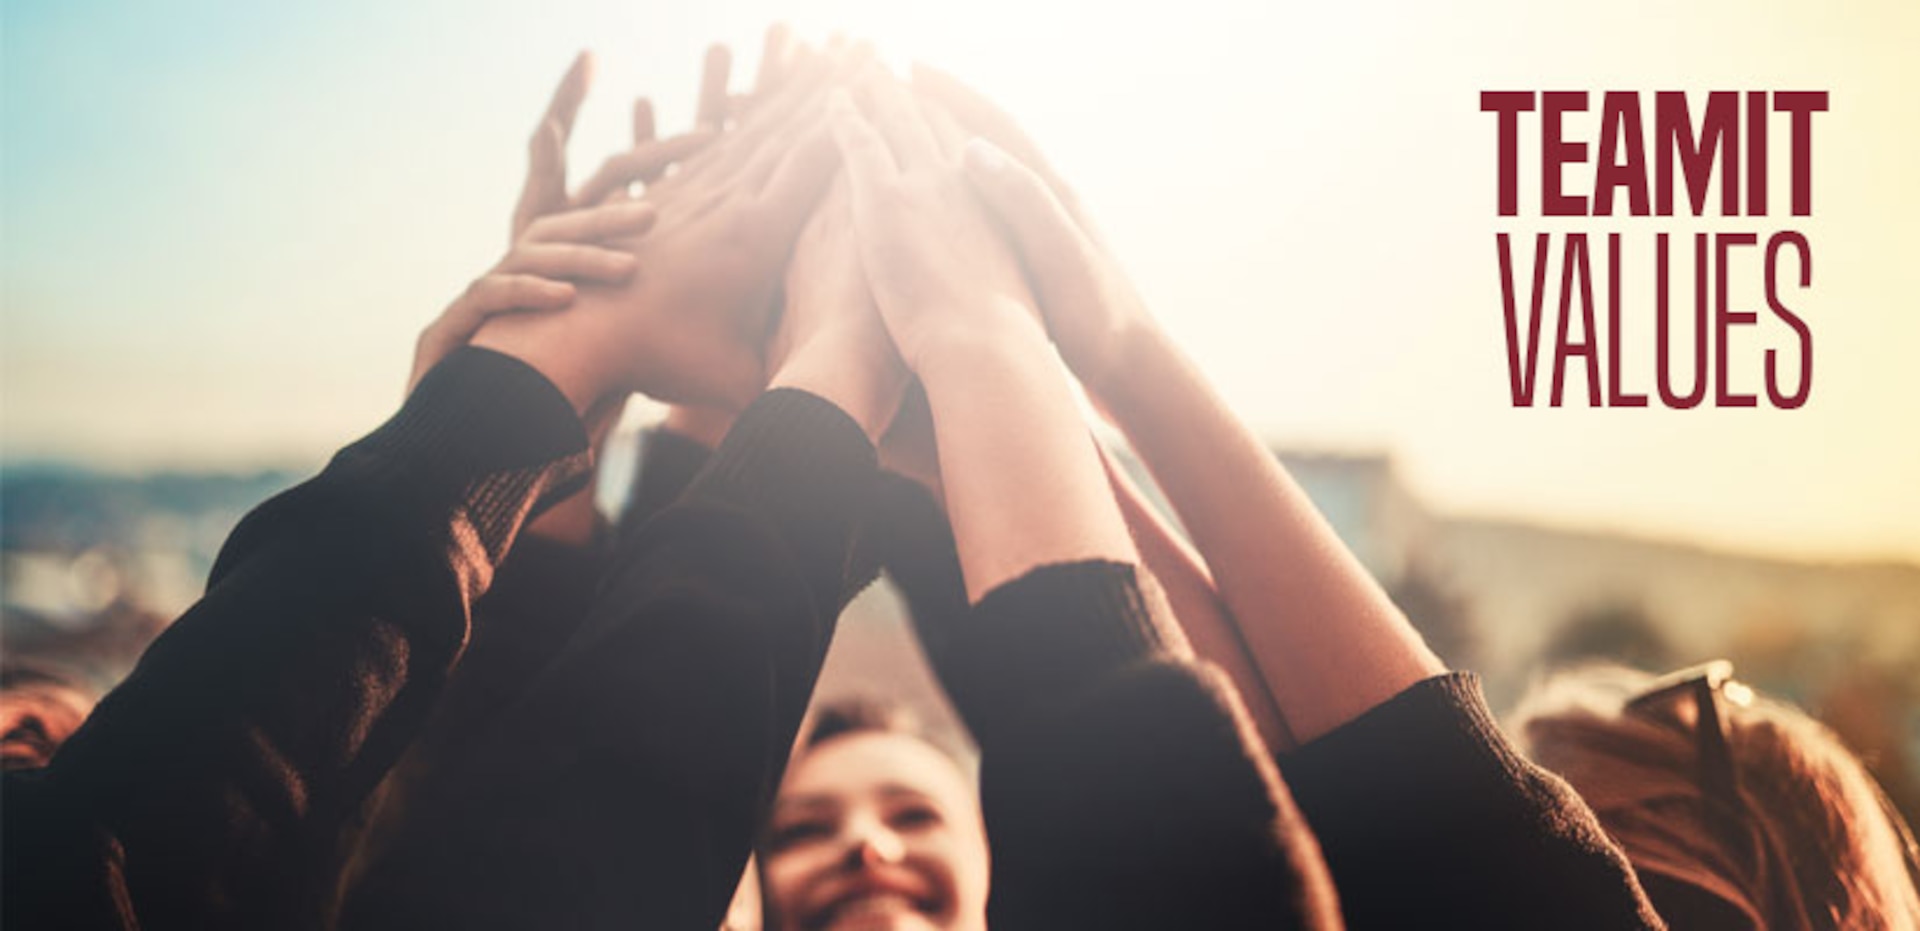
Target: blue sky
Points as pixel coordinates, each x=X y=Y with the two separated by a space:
x=223 y=222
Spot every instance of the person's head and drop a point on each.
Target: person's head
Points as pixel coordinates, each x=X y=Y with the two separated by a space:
x=874 y=828
x=1736 y=811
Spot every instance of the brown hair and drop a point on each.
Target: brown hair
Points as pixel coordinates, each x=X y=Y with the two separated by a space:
x=862 y=714
x=1809 y=840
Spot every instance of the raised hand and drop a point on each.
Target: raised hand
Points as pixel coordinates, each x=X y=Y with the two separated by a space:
x=830 y=338
x=537 y=274
x=690 y=325
x=938 y=270
x=1093 y=326
x=1092 y=311
x=971 y=114
x=1326 y=640
x=1020 y=475
x=545 y=190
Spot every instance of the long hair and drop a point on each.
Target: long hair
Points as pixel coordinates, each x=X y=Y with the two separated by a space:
x=1809 y=840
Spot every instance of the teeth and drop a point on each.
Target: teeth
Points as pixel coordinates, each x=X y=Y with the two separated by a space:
x=879 y=903
x=880 y=911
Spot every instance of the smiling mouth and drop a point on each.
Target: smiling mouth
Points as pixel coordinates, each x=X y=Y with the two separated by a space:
x=878 y=908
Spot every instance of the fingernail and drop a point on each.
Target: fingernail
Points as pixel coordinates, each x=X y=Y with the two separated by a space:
x=985 y=155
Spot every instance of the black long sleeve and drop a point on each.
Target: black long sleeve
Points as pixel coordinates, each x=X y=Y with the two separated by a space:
x=1120 y=785
x=213 y=787
x=1429 y=817
x=669 y=462
x=537 y=604
x=625 y=789
x=538 y=601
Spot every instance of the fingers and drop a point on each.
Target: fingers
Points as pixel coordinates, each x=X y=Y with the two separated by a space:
x=899 y=121
x=978 y=116
x=772 y=120
x=545 y=189
x=499 y=292
x=1059 y=256
x=712 y=111
x=947 y=131
x=572 y=261
x=761 y=143
x=489 y=295
x=796 y=115
x=868 y=161
x=593 y=224
x=770 y=154
x=643 y=129
x=796 y=185
x=565 y=104
x=643 y=163
x=773 y=54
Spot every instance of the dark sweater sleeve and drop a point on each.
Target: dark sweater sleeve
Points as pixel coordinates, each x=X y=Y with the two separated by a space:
x=212 y=788
x=907 y=535
x=669 y=462
x=538 y=600
x=1426 y=811
x=625 y=789
x=1121 y=786
x=537 y=603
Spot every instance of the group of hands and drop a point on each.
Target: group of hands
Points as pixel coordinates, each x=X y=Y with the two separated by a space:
x=835 y=225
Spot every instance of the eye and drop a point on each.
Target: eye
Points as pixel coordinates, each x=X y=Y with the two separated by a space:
x=913 y=817
x=795 y=833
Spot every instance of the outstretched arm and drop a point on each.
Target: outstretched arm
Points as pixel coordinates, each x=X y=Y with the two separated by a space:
x=215 y=787
x=1398 y=762
x=626 y=786
x=1023 y=483
x=1063 y=669
x=1328 y=641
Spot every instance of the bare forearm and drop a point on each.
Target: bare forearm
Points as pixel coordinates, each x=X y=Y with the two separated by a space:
x=1322 y=633
x=842 y=368
x=1023 y=480
x=1197 y=606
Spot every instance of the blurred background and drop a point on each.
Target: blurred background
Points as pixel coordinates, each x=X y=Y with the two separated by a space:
x=222 y=224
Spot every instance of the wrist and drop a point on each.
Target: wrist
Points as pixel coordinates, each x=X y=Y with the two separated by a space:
x=703 y=424
x=965 y=355
x=857 y=372
x=552 y=351
x=574 y=521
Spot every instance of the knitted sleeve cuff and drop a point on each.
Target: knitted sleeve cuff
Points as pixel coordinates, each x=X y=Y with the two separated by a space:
x=479 y=441
x=1045 y=638
x=907 y=534
x=1440 y=723
x=801 y=464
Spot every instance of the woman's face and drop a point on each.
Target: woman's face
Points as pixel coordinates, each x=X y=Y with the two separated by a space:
x=876 y=831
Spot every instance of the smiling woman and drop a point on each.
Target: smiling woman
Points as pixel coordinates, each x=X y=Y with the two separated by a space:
x=875 y=827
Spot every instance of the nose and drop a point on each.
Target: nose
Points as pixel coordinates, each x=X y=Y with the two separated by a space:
x=874 y=845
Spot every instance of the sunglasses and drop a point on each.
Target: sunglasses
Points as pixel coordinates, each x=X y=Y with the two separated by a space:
x=1710 y=687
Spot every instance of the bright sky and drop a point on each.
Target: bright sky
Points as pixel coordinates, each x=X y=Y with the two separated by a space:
x=225 y=221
